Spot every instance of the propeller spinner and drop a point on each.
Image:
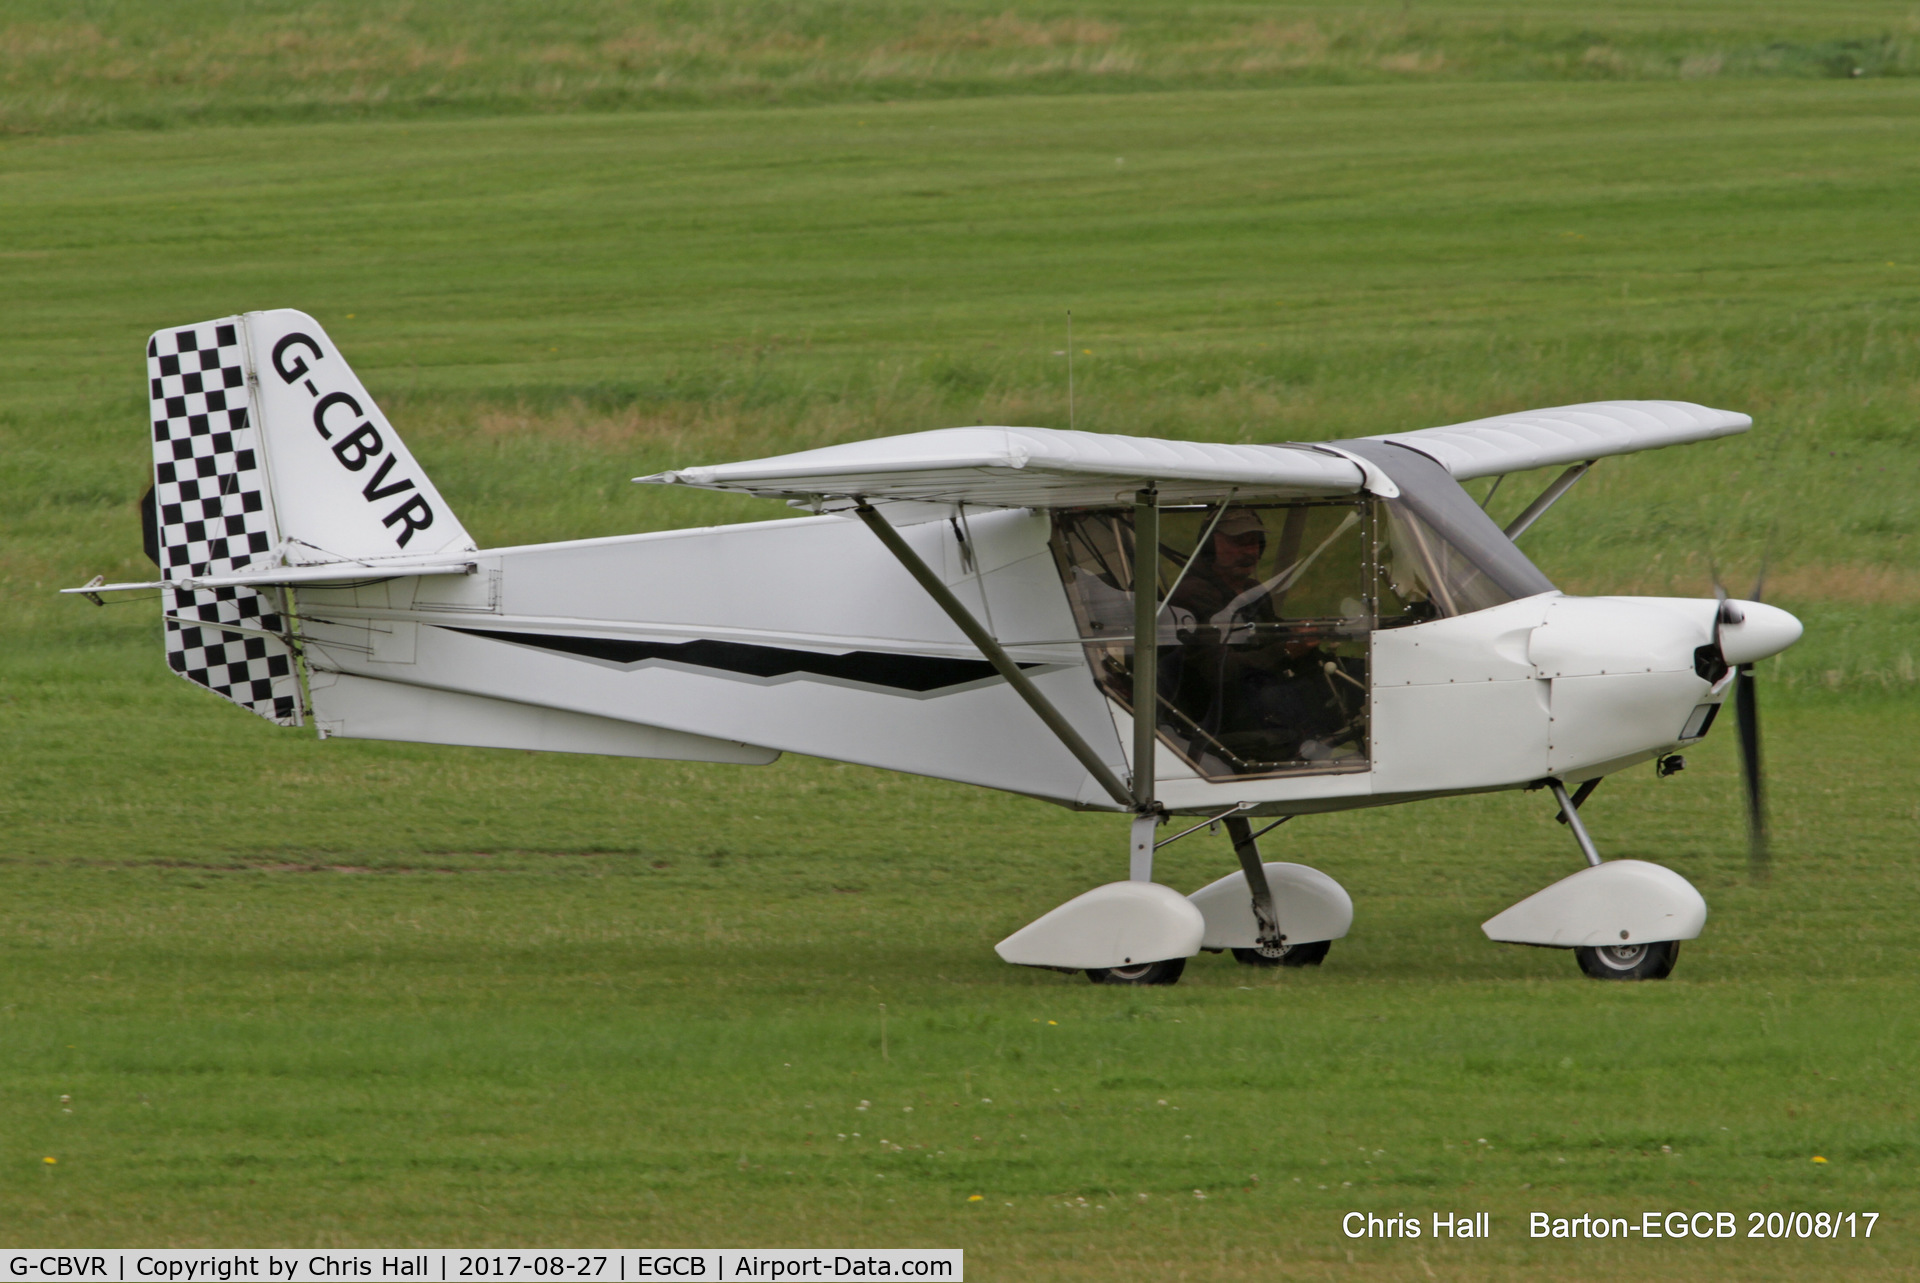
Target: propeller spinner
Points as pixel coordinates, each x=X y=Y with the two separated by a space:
x=1745 y=632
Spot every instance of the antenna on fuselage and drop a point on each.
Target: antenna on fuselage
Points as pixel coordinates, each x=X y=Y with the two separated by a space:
x=1069 y=369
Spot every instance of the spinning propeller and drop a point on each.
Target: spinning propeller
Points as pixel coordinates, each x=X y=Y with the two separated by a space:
x=1732 y=626
x=1746 y=705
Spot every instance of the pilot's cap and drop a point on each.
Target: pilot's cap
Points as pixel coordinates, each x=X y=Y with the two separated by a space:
x=1241 y=521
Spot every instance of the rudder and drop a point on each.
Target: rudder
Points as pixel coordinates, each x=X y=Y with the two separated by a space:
x=211 y=516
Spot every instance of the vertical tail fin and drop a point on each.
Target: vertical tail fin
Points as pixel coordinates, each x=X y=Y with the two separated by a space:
x=268 y=452
x=345 y=487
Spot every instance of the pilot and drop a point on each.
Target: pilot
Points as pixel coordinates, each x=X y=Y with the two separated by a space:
x=1257 y=695
x=1226 y=567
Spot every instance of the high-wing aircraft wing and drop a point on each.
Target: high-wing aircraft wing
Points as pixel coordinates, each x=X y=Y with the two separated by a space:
x=1008 y=467
x=1027 y=468
x=1565 y=434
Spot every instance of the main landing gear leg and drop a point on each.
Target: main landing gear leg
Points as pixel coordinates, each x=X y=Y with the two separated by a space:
x=1271 y=949
x=1140 y=871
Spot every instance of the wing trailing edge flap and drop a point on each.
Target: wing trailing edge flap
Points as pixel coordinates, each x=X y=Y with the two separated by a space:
x=351 y=707
x=1566 y=434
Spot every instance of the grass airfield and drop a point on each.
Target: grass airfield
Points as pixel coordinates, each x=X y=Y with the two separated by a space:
x=353 y=993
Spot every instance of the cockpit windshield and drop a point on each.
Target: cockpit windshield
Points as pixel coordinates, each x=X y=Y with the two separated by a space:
x=1440 y=553
x=1266 y=610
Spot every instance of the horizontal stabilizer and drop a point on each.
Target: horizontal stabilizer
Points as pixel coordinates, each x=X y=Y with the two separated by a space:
x=333 y=574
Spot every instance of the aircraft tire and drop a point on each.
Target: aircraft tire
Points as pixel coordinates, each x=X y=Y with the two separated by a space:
x=1651 y=961
x=1145 y=973
x=1311 y=954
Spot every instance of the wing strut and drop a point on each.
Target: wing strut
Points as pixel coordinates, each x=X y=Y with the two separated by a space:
x=1548 y=497
x=995 y=654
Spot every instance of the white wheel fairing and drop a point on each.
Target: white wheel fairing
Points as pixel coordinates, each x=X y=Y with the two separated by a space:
x=1121 y=924
x=1311 y=907
x=1619 y=903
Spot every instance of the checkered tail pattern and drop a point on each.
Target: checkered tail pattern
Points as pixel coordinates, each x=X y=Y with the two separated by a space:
x=210 y=494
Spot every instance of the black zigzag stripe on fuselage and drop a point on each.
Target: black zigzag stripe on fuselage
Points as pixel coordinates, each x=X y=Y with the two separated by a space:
x=918 y=673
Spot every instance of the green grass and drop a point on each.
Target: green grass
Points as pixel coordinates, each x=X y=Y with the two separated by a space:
x=363 y=993
x=387 y=994
x=548 y=307
x=81 y=64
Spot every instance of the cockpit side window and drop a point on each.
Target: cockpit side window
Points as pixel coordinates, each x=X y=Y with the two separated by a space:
x=1263 y=628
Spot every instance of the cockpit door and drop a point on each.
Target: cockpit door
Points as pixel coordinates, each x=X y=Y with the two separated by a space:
x=1264 y=627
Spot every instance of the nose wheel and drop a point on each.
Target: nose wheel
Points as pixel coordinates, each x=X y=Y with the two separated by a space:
x=1650 y=961
x=1624 y=902
x=1140 y=973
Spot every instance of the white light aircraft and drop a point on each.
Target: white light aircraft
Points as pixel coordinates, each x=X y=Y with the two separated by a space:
x=1312 y=627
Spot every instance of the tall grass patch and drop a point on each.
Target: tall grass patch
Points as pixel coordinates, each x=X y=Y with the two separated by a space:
x=109 y=65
